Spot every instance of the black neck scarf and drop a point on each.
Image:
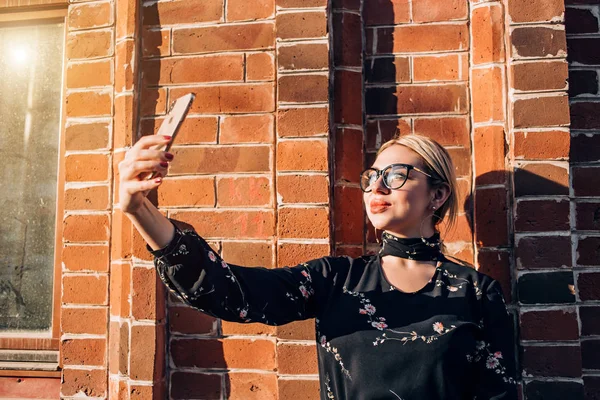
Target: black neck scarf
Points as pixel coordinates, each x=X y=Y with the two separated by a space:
x=418 y=249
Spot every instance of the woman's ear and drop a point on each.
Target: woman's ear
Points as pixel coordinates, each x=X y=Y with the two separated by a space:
x=440 y=194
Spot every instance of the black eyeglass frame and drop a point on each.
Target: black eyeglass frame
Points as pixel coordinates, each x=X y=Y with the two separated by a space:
x=380 y=173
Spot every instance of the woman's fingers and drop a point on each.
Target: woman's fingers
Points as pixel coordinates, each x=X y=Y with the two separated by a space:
x=149 y=155
x=133 y=187
x=136 y=170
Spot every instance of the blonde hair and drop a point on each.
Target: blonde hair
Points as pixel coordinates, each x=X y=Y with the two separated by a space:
x=439 y=165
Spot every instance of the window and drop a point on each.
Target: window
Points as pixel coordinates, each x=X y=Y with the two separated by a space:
x=31 y=71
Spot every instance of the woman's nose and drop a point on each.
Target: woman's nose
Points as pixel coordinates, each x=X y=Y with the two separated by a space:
x=379 y=187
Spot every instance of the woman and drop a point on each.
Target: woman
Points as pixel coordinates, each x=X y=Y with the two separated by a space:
x=407 y=323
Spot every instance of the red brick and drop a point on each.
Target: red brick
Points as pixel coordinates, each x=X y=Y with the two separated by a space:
x=487 y=28
x=588 y=285
x=433 y=10
x=88 y=104
x=380 y=131
x=297 y=25
x=187 y=320
x=460 y=232
x=584 y=148
x=307 y=223
x=24 y=387
x=301 y=3
x=348 y=155
x=542 y=145
x=124 y=124
x=193 y=130
x=422 y=38
x=388 y=69
x=90 y=15
x=586 y=181
x=417 y=100
x=348 y=90
x=563 y=361
x=85 y=258
x=86 y=228
x=83 y=352
x=303 y=56
x=347 y=39
x=183 y=12
x=89 y=74
x=120 y=289
x=349 y=217
x=224 y=353
x=544 y=252
x=290 y=389
x=541 y=111
x=590 y=320
x=92 y=136
x=385 y=12
x=90 y=383
x=585 y=115
x=126 y=19
x=302 y=155
x=90 y=198
x=491 y=217
x=213 y=159
x=451 y=131
x=260 y=67
x=224 y=38
x=541 y=179
x=247 y=129
x=153 y=102
x=488 y=94
x=147 y=295
x=249 y=98
x=496 y=264
x=297 y=358
x=214 y=68
x=91 y=44
x=295 y=253
x=302 y=189
x=303 y=88
x=300 y=330
x=490 y=152
x=92 y=321
x=156 y=42
x=461 y=159
x=147 y=353
x=588 y=216
x=252 y=386
x=192 y=192
x=85 y=289
x=538 y=42
x=248 y=254
x=243 y=192
x=240 y=224
x=118 y=348
x=536 y=10
x=300 y=122
x=439 y=68
x=549 y=325
x=186 y=385
x=533 y=76
x=542 y=216
x=234 y=329
x=588 y=251
x=242 y=10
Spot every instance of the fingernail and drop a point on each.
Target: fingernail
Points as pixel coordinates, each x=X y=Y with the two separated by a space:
x=164 y=164
x=167 y=137
x=158 y=180
x=169 y=156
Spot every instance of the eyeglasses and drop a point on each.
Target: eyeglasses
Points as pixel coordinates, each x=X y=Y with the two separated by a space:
x=394 y=176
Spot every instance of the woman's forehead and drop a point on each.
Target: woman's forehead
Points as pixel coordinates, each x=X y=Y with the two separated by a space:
x=397 y=154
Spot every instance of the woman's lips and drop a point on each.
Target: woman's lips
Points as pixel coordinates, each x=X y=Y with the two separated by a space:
x=378 y=206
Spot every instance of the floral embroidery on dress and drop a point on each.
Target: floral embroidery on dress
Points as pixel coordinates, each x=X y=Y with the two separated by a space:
x=329 y=392
x=407 y=337
x=305 y=286
x=330 y=349
x=492 y=360
x=181 y=251
x=369 y=310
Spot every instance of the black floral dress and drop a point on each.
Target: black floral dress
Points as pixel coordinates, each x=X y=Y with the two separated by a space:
x=450 y=340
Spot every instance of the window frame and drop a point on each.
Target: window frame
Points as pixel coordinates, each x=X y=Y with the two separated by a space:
x=25 y=342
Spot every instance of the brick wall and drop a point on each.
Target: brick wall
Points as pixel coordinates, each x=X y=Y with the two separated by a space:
x=293 y=99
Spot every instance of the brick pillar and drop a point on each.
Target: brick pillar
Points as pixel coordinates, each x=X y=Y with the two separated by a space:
x=85 y=282
x=302 y=148
x=539 y=160
x=583 y=39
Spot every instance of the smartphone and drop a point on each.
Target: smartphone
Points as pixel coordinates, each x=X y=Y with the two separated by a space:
x=172 y=122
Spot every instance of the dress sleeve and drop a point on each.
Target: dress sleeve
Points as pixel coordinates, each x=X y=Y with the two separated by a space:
x=194 y=273
x=494 y=358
